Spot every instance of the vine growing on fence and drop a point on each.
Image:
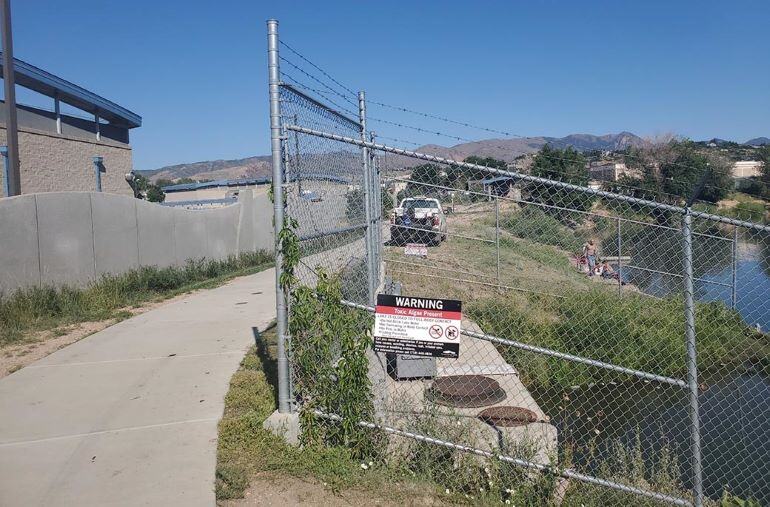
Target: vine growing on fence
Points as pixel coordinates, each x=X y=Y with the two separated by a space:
x=329 y=344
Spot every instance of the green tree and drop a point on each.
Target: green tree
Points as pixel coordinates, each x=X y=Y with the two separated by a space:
x=568 y=166
x=148 y=190
x=424 y=177
x=487 y=161
x=670 y=171
x=464 y=175
x=155 y=193
x=681 y=175
x=763 y=155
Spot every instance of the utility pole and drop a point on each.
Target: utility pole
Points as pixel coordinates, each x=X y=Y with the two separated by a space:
x=11 y=127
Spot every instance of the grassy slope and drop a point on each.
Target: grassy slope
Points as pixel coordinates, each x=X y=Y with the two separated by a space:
x=25 y=313
x=589 y=319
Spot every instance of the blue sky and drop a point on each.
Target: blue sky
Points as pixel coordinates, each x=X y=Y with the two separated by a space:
x=196 y=71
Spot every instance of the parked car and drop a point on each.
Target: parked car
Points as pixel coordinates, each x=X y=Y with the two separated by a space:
x=418 y=220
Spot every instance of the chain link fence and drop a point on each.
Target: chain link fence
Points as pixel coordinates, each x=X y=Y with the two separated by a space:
x=613 y=349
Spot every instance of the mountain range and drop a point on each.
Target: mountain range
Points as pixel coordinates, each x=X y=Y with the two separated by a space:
x=758 y=141
x=250 y=167
x=503 y=149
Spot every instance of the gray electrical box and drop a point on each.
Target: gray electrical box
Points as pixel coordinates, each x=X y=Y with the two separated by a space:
x=402 y=367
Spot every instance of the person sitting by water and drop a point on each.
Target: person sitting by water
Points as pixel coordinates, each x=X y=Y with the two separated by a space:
x=610 y=273
x=589 y=251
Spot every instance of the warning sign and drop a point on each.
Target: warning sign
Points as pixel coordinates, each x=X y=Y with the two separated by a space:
x=417 y=326
x=416 y=249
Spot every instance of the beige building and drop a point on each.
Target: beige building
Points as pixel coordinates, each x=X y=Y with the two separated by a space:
x=57 y=150
x=747 y=169
x=610 y=171
x=213 y=193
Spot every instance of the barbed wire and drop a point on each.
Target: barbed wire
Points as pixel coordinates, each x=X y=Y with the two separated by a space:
x=300 y=84
x=448 y=120
x=396 y=140
x=319 y=69
x=317 y=80
x=420 y=129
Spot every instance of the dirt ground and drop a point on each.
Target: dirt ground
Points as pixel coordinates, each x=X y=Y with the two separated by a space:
x=276 y=490
x=43 y=343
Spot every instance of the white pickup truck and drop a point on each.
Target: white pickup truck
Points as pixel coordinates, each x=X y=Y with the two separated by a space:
x=418 y=220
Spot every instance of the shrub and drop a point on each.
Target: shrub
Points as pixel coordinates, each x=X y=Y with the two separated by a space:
x=329 y=345
x=533 y=224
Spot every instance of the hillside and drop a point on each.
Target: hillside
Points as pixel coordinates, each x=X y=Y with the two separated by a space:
x=504 y=149
x=758 y=141
x=509 y=149
x=250 y=167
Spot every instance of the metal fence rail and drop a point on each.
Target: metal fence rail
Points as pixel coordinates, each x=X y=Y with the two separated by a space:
x=642 y=383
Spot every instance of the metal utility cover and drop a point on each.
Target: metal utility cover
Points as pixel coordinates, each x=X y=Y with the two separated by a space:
x=466 y=391
x=507 y=416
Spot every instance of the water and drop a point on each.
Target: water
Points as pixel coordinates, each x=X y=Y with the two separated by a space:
x=735 y=409
x=735 y=422
x=752 y=286
x=713 y=266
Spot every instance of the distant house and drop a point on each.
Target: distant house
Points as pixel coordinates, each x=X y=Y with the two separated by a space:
x=57 y=149
x=747 y=169
x=610 y=171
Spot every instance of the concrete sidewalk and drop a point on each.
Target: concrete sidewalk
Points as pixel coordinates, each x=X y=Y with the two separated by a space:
x=128 y=416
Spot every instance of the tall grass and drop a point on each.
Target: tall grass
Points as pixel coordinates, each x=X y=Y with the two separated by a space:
x=633 y=331
x=40 y=308
x=534 y=224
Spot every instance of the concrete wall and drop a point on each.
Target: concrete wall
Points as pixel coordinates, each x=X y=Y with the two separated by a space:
x=74 y=238
x=52 y=162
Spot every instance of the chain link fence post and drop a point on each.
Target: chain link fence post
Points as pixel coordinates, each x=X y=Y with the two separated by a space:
x=368 y=204
x=497 y=237
x=274 y=76
x=298 y=167
x=692 y=359
x=620 y=263
x=377 y=195
x=734 y=258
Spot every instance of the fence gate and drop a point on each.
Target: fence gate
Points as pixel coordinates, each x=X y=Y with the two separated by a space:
x=612 y=348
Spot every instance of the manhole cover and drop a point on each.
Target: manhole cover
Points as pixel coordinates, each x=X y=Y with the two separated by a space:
x=466 y=391
x=508 y=416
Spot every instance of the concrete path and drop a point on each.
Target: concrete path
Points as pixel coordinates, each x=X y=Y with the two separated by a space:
x=128 y=416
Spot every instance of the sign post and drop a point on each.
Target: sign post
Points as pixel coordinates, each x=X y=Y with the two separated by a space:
x=417 y=326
